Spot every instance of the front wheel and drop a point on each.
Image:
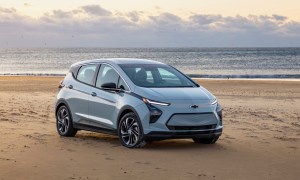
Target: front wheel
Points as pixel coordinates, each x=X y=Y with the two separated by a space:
x=64 y=123
x=130 y=131
x=211 y=140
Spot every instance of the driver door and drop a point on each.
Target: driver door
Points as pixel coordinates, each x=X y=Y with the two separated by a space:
x=103 y=104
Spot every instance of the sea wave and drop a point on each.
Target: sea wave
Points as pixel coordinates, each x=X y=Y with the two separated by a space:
x=246 y=76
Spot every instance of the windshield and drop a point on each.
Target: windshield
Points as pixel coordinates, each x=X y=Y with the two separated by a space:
x=156 y=75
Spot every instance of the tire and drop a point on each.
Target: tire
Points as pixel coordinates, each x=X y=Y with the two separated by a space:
x=64 y=122
x=130 y=131
x=211 y=140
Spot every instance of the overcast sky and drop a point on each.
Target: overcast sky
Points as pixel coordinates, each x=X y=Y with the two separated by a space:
x=145 y=23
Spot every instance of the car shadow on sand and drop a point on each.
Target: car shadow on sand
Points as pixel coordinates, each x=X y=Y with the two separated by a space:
x=171 y=144
x=179 y=144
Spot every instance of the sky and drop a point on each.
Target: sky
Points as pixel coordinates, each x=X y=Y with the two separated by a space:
x=150 y=23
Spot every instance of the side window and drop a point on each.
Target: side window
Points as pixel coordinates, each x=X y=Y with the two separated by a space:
x=86 y=74
x=106 y=75
x=122 y=85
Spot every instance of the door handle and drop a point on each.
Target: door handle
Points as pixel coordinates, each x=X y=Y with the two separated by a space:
x=70 y=87
x=94 y=94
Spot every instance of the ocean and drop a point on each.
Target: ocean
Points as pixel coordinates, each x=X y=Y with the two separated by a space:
x=196 y=62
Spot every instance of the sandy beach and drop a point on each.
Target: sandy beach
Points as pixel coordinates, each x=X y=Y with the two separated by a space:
x=261 y=138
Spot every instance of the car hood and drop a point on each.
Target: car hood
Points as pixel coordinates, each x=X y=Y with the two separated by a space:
x=161 y=94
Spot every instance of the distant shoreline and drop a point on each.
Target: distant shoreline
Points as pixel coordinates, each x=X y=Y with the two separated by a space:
x=33 y=74
x=228 y=63
x=292 y=77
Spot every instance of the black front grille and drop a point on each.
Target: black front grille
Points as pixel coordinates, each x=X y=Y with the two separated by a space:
x=192 y=127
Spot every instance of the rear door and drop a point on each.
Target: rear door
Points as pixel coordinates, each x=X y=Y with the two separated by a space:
x=79 y=95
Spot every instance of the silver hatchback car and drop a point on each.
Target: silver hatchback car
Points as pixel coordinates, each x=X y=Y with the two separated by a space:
x=138 y=100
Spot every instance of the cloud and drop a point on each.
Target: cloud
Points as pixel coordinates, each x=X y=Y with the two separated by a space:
x=206 y=19
x=164 y=18
x=93 y=25
x=278 y=17
x=96 y=10
x=27 y=4
x=61 y=14
x=165 y=22
x=7 y=10
x=134 y=15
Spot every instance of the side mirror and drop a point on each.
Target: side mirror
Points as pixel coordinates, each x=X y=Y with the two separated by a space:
x=110 y=86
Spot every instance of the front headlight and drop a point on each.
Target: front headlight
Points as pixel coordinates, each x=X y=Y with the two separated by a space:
x=148 y=101
x=218 y=108
x=219 y=112
x=215 y=101
x=155 y=113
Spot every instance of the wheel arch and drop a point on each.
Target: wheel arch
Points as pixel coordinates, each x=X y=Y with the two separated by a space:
x=124 y=110
x=62 y=102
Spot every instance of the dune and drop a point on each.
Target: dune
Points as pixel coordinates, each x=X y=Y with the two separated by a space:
x=261 y=138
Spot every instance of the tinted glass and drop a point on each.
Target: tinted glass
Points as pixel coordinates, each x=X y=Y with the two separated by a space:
x=86 y=74
x=106 y=75
x=168 y=76
x=156 y=75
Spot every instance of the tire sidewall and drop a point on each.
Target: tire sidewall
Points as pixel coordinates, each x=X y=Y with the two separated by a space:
x=70 y=120
x=141 y=136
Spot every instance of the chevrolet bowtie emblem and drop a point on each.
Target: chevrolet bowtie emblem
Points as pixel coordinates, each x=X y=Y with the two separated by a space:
x=194 y=106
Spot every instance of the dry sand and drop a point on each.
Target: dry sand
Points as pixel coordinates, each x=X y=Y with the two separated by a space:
x=261 y=138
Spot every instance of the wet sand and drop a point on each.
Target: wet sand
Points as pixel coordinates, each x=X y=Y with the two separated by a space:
x=261 y=138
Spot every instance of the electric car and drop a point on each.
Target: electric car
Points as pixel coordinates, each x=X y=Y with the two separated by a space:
x=139 y=100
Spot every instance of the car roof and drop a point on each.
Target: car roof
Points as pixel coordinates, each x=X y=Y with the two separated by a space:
x=118 y=61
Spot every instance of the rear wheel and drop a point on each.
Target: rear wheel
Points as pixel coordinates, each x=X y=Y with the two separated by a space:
x=211 y=140
x=130 y=131
x=64 y=123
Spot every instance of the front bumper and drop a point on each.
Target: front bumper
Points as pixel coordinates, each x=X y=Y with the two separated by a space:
x=181 y=122
x=183 y=134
